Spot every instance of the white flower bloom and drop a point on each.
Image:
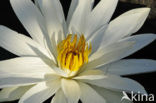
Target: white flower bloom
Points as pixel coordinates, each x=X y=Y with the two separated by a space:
x=77 y=59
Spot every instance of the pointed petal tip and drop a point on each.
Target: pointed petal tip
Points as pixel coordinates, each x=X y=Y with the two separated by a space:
x=2 y=27
x=152 y=36
x=144 y=11
x=147 y=9
x=148 y=36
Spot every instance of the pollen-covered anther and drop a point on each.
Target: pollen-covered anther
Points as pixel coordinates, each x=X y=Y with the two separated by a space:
x=73 y=52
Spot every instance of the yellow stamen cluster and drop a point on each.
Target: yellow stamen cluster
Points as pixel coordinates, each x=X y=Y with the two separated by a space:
x=73 y=52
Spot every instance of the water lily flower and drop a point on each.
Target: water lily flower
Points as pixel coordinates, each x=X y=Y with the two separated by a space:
x=80 y=58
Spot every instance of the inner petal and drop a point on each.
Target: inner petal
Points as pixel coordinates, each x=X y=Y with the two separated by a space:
x=73 y=52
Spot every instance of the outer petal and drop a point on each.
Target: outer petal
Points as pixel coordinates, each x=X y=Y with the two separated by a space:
x=36 y=3
x=90 y=74
x=125 y=25
x=89 y=95
x=109 y=48
x=54 y=16
x=23 y=71
x=18 y=43
x=25 y=65
x=80 y=15
x=13 y=93
x=118 y=84
x=10 y=79
x=110 y=55
x=141 y=41
x=96 y=38
x=71 y=90
x=40 y=93
x=73 y=6
x=59 y=97
x=110 y=96
x=132 y=66
x=100 y=15
x=31 y=19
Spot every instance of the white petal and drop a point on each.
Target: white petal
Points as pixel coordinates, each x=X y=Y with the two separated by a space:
x=25 y=65
x=19 y=79
x=109 y=95
x=109 y=48
x=100 y=15
x=18 y=43
x=126 y=24
x=36 y=3
x=59 y=97
x=96 y=38
x=89 y=95
x=109 y=54
x=51 y=77
x=73 y=6
x=40 y=93
x=59 y=71
x=136 y=42
x=13 y=93
x=132 y=66
x=31 y=18
x=54 y=16
x=118 y=84
x=90 y=74
x=141 y=41
x=71 y=90
x=80 y=15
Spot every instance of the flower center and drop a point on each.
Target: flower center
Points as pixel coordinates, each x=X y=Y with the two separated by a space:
x=73 y=52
